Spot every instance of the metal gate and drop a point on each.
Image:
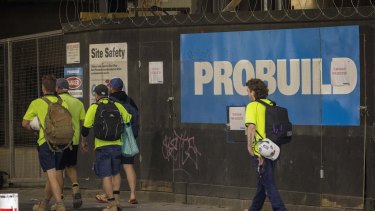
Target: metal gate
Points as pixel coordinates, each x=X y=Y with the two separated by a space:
x=23 y=61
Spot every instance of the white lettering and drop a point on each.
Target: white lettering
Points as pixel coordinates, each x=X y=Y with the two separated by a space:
x=265 y=70
x=203 y=74
x=294 y=75
x=304 y=75
x=222 y=72
x=237 y=76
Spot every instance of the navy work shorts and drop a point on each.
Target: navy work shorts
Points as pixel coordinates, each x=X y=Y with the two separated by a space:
x=107 y=161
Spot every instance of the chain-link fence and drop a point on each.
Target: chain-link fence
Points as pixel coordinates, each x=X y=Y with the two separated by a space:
x=23 y=62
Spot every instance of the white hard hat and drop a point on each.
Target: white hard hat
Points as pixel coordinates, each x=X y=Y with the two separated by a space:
x=34 y=124
x=268 y=149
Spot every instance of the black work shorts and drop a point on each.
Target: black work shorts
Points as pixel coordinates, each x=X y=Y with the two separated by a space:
x=127 y=160
x=69 y=157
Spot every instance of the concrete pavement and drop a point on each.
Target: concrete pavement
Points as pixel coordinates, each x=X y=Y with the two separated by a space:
x=29 y=196
x=154 y=201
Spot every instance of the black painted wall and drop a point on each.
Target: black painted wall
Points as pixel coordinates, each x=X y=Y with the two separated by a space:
x=217 y=167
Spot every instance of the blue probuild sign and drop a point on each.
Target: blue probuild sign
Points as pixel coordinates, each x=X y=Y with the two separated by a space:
x=314 y=72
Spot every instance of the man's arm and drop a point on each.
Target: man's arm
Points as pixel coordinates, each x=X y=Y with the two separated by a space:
x=251 y=130
x=84 y=144
x=26 y=124
x=29 y=115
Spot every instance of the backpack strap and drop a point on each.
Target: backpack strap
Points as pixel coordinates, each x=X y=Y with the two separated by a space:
x=259 y=134
x=59 y=100
x=111 y=98
x=267 y=105
x=45 y=99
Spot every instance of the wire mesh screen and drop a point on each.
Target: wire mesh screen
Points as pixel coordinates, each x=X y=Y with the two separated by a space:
x=30 y=59
x=25 y=87
x=3 y=94
x=51 y=56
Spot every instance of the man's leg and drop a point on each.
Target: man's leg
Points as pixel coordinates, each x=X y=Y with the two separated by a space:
x=108 y=189
x=132 y=179
x=70 y=159
x=53 y=182
x=47 y=191
x=259 y=198
x=107 y=186
x=49 y=161
x=260 y=195
x=56 y=190
x=71 y=171
x=108 y=164
x=60 y=179
x=270 y=187
x=43 y=204
x=116 y=182
x=116 y=178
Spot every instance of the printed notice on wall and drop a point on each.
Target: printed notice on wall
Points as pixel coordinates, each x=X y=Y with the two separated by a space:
x=155 y=72
x=236 y=117
x=73 y=53
x=74 y=76
x=107 y=61
x=339 y=72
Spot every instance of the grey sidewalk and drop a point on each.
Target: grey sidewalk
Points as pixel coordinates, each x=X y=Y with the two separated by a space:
x=147 y=201
x=154 y=201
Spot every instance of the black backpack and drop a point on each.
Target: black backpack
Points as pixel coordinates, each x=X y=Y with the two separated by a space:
x=108 y=124
x=278 y=127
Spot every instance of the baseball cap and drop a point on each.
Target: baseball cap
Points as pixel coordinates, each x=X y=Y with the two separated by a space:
x=101 y=90
x=116 y=83
x=62 y=83
x=268 y=149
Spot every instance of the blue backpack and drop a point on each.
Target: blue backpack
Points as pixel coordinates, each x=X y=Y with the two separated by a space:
x=134 y=112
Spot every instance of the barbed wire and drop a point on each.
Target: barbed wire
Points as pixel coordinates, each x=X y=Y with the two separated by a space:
x=81 y=14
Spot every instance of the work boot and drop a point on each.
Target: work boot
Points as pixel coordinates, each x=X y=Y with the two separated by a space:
x=117 y=199
x=60 y=207
x=53 y=207
x=112 y=206
x=41 y=206
x=77 y=197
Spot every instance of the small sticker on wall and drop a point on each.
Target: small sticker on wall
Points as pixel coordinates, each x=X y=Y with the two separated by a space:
x=155 y=75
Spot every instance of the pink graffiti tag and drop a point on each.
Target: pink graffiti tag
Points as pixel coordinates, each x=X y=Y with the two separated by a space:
x=180 y=149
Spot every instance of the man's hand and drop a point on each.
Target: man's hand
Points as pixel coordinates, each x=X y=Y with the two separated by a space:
x=260 y=161
x=84 y=145
x=250 y=149
x=26 y=124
